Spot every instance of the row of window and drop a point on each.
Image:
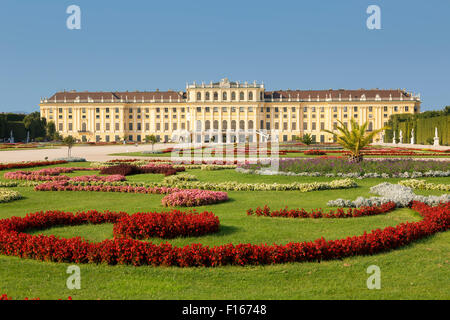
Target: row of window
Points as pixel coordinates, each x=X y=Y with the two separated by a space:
x=215 y=96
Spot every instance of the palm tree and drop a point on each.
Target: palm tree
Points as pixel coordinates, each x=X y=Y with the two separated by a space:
x=354 y=139
x=306 y=139
x=69 y=141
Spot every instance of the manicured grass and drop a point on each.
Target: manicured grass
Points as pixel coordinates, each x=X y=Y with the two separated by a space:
x=418 y=271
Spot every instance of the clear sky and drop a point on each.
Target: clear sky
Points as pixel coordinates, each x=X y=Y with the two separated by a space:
x=144 y=45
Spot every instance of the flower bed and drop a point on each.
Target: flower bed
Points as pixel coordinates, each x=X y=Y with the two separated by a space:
x=402 y=196
x=423 y=185
x=315 y=153
x=65 y=186
x=111 y=178
x=9 y=195
x=231 y=185
x=51 y=174
x=128 y=169
x=14 y=242
x=192 y=198
x=166 y=225
x=319 y=213
x=6 y=166
x=340 y=167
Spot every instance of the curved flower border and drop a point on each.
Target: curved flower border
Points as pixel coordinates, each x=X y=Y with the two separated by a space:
x=14 y=242
x=319 y=213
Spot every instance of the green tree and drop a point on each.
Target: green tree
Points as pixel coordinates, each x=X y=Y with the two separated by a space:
x=35 y=125
x=51 y=130
x=355 y=139
x=69 y=141
x=151 y=139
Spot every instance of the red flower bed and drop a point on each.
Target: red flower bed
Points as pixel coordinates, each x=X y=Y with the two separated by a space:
x=319 y=213
x=166 y=225
x=193 y=197
x=6 y=166
x=315 y=153
x=128 y=169
x=14 y=242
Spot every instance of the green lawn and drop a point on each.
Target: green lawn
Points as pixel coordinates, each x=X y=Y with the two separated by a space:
x=418 y=271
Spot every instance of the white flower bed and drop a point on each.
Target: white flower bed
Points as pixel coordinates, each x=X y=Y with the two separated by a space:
x=388 y=192
x=355 y=175
x=9 y=195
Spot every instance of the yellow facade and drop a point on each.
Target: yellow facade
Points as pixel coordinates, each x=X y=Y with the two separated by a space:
x=220 y=112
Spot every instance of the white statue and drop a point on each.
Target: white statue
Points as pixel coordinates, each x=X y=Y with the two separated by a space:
x=436 y=138
x=412 y=136
x=401 y=137
x=393 y=139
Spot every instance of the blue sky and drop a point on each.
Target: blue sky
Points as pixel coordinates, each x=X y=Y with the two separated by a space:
x=144 y=45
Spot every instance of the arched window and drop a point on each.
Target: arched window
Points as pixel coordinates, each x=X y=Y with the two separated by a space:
x=207 y=125
x=207 y=97
x=216 y=96
x=250 y=124
x=242 y=125
x=216 y=125
x=199 y=96
x=233 y=96
x=261 y=96
x=224 y=125
x=233 y=124
x=241 y=96
x=224 y=96
x=250 y=95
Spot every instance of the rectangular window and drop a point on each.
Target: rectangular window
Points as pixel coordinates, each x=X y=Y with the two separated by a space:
x=305 y=125
x=322 y=126
x=158 y=127
x=285 y=126
x=139 y=126
x=117 y=127
x=313 y=126
x=97 y=126
x=130 y=126
x=70 y=126
x=294 y=126
x=108 y=126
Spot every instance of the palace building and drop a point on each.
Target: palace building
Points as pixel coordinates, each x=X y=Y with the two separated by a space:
x=223 y=111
